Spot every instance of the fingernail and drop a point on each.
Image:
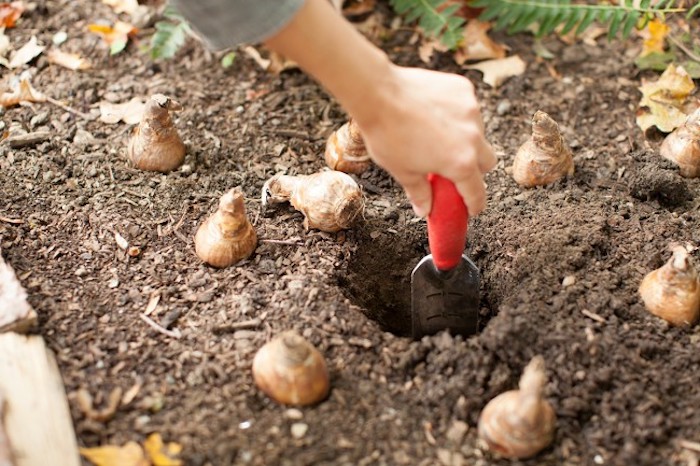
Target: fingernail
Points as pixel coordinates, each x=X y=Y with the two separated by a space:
x=420 y=211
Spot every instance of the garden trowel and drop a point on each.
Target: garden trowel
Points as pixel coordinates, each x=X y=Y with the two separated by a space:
x=445 y=283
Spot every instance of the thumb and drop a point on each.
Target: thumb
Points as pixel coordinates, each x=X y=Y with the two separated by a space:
x=419 y=193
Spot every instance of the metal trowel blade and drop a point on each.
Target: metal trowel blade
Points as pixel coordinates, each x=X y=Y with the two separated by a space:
x=444 y=299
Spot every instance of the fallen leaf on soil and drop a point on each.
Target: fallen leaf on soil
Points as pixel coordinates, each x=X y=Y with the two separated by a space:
x=10 y=13
x=666 y=103
x=4 y=47
x=279 y=63
x=131 y=454
x=373 y=27
x=116 y=37
x=253 y=53
x=122 y=6
x=23 y=93
x=498 y=70
x=105 y=414
x=588 y=36
x=428 y=47
x=359 y=7
x=657 y=61
x=72 y=61
x=477 y=45
x=161 y=454
x=655 y=40
x=275 y=64
x=464 y=11
x=26 y=53
x=129 y=112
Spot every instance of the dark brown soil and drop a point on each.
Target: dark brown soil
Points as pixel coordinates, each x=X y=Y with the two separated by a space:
x=624 y=384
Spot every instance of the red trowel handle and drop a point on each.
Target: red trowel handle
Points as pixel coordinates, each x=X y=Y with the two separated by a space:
x=447 y=223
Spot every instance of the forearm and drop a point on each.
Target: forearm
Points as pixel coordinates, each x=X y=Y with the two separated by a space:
x=325 y=45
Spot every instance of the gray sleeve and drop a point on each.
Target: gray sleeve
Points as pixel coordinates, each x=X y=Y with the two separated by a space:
x=226 y=23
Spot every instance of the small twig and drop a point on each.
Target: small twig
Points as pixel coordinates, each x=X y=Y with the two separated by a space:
x=171 y=333
x=593 y=315
x=14 y=221
x=68 y=109
x=292 y=133
x=692 y=55
x=281 y=241
x=174 y=229
x=242 y=325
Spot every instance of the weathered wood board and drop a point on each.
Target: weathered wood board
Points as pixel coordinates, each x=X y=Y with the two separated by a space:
x=37 y=419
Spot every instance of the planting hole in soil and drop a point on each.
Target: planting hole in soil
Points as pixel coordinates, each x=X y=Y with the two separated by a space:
x=378 y=277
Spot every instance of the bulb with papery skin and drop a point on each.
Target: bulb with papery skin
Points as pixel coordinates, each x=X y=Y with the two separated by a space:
x=291 y=371
x=545 y=157
x=672 y=291
x=682 y=146
x=330 y=201
x=155 y=144
x=520 y=423
x=227 y=236
x=346 y=150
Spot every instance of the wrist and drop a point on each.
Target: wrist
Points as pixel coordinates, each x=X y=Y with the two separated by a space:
x=376 y=93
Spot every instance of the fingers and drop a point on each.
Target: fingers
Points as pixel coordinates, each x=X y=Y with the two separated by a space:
x=473 y=191
x=485 y=156
x=418 y=192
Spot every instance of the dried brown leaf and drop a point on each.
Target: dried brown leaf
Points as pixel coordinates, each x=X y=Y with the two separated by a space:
x=122 y=6
x=667 y=102
x=498 y=70
x=115 y=36
x=655 y=37
x=129 y=112
x=161 y=454
x=72 y=61
x=23 y=93
x=279 y=63
x=359 y=7
x=131 y=454
x=10 y=13
x=26 y=53
x=477 y=45
x=253 y=53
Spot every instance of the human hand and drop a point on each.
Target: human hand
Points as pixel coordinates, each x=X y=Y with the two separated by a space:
x=428 y=122
x=414 y=121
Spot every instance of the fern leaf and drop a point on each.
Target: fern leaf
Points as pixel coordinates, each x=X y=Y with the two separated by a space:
x=517 y=15
x=587 y=20
x=526 y=18
x=573 y=20
x=167 y=39
x=629 y=24
x=435 y=17
x=617 y=18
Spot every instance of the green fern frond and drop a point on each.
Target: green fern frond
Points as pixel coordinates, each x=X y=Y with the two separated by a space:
x=695 y=10
x=170 y=35
x=435 y=17
x=519 y=15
